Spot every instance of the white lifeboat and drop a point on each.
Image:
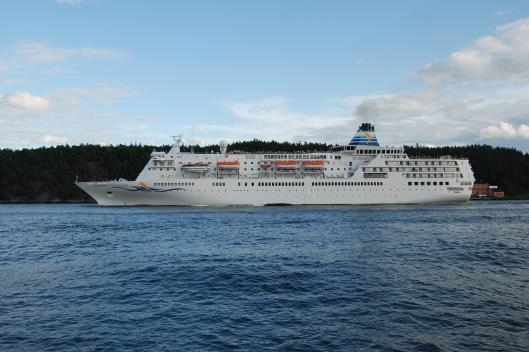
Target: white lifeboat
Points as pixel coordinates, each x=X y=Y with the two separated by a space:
x=195 y=167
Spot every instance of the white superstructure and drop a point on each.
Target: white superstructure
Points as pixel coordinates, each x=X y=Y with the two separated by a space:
x=361 y=172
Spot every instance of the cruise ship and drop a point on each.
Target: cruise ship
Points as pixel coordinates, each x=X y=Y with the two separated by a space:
x=360 y=172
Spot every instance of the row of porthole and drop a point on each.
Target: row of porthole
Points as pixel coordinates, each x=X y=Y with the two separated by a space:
x=173 y=184
x=297 y=184
x=429 y=183
x=347 y=183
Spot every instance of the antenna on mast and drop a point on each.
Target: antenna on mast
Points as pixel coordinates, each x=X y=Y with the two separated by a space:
x=177 y=142
x=192 y=138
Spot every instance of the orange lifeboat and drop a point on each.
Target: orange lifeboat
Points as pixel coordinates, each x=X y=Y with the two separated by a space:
x=313 y=164
x=286 y=164
x=228 y=165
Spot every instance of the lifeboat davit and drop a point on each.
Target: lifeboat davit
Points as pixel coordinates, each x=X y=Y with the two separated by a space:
x=313 y=164
x=286 y=164
x=228 y=165
x=195 y=167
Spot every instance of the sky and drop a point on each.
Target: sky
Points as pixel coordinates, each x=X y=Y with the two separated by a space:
x=121 y=71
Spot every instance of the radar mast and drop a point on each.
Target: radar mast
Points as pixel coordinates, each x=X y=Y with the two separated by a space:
x=177 y=146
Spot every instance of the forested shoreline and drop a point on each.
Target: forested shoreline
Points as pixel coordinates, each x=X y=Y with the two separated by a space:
x=48 y=174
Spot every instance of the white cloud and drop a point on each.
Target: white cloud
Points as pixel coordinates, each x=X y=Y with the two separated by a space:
x=275 y=117
x=25 y=56
x=523 y=131
x=442 y=116
x=505 y=130
x=69 y=2
x=71 y=97
x=503 y=57
x=268 y=108
x=400 y=105
x=24 y=100
x=37 y=52
x=53 y=139
x=74 y=112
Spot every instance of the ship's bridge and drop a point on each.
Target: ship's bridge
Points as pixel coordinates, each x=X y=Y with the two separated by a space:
x=366 y=150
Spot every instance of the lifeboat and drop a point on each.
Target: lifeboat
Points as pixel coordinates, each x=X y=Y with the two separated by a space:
x=313 y=165
x=286 y=164
x=195 y=167
x=228 y=165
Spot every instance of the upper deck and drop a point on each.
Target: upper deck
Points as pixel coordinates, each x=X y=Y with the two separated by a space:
x=340 y=161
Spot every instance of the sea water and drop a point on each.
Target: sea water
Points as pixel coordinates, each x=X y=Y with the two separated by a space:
x=78 y=277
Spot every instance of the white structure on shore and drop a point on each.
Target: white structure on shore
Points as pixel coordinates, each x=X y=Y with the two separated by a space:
x=361 y=172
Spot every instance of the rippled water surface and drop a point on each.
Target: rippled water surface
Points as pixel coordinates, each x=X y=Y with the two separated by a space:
x=388 y=278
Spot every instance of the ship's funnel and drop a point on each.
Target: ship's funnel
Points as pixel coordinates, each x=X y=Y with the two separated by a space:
x=365 y=135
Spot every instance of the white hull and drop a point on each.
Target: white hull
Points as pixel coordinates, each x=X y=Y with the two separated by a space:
x=202 y=193
x=361 y=172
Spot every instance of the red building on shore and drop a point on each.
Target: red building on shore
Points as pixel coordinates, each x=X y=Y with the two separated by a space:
x=484 y=190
